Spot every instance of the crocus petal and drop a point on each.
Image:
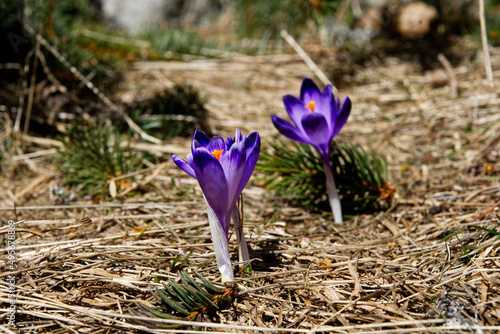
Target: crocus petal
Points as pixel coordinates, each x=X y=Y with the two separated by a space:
x=229 y=142
x=183 y=165
x=309 y=91
x=238 y=136
x=287 y=130
x=212 y=180
x=326 y=106
x=221 y=247
x=252 y=145
x=316 y=128
x=216 y=143
x=199 y=140
x=189 y=159
x=296 y=109
x=342 y=116
x=233 y=164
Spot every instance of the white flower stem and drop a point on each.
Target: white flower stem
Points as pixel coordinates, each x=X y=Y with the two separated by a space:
x=242 y=243
x=221 y=247
x=331 y=189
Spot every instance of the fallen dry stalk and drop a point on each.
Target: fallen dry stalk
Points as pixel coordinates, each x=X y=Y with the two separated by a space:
x=484 y=41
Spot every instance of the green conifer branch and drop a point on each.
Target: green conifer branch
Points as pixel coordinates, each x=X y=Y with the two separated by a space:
x=295 y=173
x=91 y=155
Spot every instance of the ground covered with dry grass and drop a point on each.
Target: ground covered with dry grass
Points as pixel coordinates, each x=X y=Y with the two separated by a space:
x=429 y=263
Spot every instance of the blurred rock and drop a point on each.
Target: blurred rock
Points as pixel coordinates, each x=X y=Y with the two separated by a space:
x=415 y=20
x=138 y=16
x=411 y=20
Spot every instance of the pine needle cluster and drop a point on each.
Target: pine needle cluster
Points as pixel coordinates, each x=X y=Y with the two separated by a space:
x=5 y=146
x=174 y=112
x=92 y=155
x=188 y=300
x=296 y=174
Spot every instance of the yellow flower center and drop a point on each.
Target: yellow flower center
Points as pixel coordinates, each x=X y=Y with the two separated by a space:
x=217 y=153
x=310 y=105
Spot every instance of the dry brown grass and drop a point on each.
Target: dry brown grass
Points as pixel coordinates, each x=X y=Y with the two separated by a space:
x=392 y=272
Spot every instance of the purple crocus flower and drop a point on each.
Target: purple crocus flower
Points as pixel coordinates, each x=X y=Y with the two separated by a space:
x=222 y=169
x=317 y=117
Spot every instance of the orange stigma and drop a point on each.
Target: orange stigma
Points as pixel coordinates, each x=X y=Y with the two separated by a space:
x=310 y=105
x=217 y=153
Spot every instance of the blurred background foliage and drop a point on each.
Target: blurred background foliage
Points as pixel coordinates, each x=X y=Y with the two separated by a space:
x=82 y=32
x=267 y=18
x=173 y=112
x=64 y=22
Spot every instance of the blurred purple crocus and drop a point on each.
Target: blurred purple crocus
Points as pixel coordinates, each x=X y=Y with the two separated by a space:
x=317 y=117
x=222 y=169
